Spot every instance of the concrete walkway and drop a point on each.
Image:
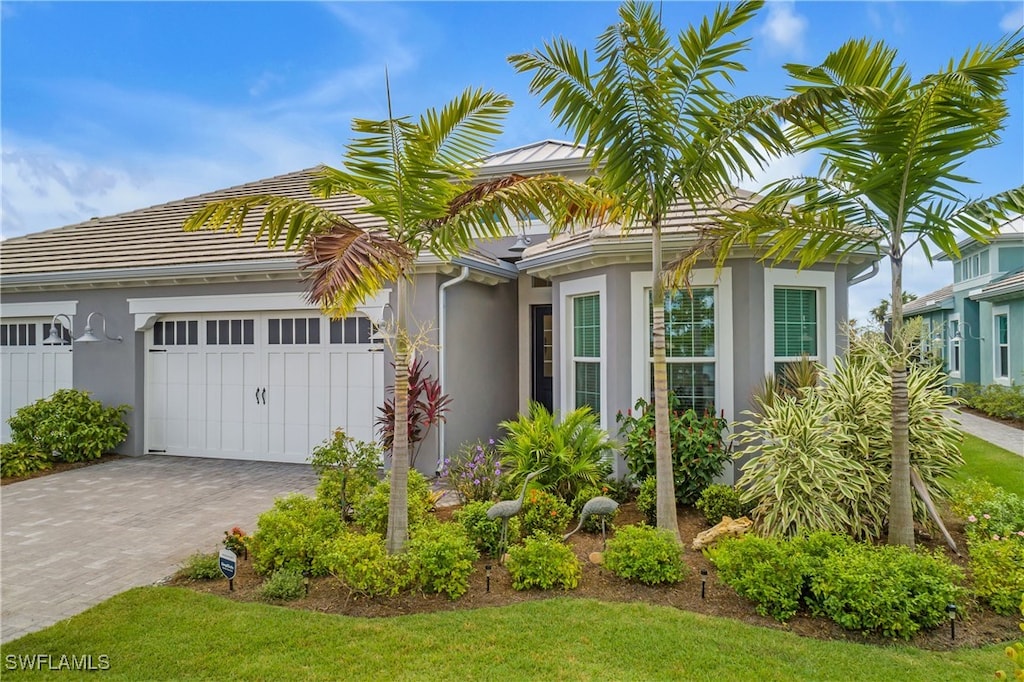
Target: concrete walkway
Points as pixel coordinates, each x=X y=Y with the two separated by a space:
x=997 y=433
x=73 y=539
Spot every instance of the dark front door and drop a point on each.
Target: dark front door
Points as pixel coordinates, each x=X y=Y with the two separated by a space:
x=542 y=362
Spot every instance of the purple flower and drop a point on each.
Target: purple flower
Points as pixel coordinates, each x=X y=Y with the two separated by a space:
x=490 y=441
x=477 y=482
x=972 y=518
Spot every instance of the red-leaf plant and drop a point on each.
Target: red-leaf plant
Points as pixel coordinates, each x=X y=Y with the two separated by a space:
x=427 y=408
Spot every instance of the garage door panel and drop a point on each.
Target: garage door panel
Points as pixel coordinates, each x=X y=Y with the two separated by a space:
x=273 y=389
x=29 y=370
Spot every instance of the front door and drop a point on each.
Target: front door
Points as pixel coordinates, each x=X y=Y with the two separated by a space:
x=542 y=362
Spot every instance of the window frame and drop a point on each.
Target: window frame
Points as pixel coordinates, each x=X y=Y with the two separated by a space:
x=997 y=345
x=567 y=293
x=954 y=343
x=640 y=369
x=825 y=285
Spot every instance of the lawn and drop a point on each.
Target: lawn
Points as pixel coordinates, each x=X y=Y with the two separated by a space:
x=160 y=633
x=991 y=463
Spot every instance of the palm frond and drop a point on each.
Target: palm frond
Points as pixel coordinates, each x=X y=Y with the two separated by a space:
x=281 y=218
x=347 y=265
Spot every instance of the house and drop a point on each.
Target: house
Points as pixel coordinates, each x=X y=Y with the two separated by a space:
x=222 y=356
x=976 y=324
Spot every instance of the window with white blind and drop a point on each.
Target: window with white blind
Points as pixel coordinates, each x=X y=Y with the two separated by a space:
x=586 y=351
x=1001 y=346
x=800 y=317
x=796 y=335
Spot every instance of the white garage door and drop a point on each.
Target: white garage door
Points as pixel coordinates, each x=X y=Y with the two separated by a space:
x=268 y=386
x=29 y=370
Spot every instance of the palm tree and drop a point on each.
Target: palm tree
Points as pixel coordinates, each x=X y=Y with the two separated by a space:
x=661 y=128
x=889 y=181
x=416 y=179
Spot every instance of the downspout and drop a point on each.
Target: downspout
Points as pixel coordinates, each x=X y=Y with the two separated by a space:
x=864 y=276
x=442 y=305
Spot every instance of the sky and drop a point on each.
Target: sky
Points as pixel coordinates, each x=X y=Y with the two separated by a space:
x=112 y=106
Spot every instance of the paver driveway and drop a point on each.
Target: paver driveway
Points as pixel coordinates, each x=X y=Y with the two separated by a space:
x=73 y=539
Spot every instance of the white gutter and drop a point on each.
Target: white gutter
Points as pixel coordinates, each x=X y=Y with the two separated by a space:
x=864 y=276
x=442 y=301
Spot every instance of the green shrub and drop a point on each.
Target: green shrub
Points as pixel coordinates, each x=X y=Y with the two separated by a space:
x=475 y=473
x=821 y=460
x=570 y=454
x=647 y=555
x=1005 y=402
x=544 y=513
x=720 y=500
x=292 y=533
x=361 y=563
x=886 y=589
x=201 y=566
x=441 y=558
x=371 y=512
x=285 y=585
x=969 y=496
x=698 y=451
x=484 y=532
x=593 y=523
x=647 y=500
x=347 y=469
x=771 y=572
x=18 y=459
x=70 y=426
x=1000 y=517
x=998 y=570
x=543 y=562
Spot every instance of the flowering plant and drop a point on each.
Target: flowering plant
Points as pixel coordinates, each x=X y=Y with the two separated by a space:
x=237 y=541
x=475 y=473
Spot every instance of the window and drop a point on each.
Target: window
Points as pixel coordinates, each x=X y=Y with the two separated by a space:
x=230 y=332
x=176 y=333
x=954 y=346
x=1001 y=350
x=351 y=330
x=796 y=327
x=18 y=334
x=689 y=346
x=293 y=331
x=586 y=351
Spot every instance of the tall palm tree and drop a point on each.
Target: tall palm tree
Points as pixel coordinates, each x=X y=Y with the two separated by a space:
x=656 y=115
x=889 y=181
x=416 y=178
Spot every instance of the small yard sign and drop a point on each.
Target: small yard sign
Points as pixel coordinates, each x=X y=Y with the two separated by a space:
x=228 y=564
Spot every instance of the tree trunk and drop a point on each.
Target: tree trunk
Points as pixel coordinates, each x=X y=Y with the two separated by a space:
x=901 y=514
x=666 y=489
x=398 y=502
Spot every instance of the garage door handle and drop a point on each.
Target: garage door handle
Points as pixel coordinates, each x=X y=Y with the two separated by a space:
x=257 y=396
x=264 y=396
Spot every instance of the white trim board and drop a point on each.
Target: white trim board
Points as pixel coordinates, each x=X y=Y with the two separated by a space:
x=825 y=282
x=38 y=309
x=597 y=284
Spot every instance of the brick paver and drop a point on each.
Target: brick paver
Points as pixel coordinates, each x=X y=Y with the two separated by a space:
x=71 y=540
x=997 y=433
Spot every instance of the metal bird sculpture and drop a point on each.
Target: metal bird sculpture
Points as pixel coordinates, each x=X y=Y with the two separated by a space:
x=506 y=509
x=595 y=506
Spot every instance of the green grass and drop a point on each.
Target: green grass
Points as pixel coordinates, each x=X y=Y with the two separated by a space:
x=991 y=463
x=160 y=633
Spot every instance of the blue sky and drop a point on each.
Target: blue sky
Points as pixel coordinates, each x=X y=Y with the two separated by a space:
x=109 y=107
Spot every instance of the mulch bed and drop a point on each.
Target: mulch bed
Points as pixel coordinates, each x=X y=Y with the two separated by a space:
x=59 y=467
x=980 y=626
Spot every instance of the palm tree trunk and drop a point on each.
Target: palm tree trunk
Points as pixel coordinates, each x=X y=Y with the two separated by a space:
x=666 y=489
x=398 y=502
x=901 y=515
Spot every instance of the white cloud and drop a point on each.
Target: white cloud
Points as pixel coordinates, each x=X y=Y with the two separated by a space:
x=784 y=28
x=1013 y=19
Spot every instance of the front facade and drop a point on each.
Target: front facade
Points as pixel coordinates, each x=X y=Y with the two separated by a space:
x=976 y=324
x=222 y=356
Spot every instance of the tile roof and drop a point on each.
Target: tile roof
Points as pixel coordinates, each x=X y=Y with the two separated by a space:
x=1009 y=284
x=545 y=151
x=153 y=236
x=930 y=301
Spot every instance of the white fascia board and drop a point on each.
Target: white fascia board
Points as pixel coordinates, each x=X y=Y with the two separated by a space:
x=38 y=309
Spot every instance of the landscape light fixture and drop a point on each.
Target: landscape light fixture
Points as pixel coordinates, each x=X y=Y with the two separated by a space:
x=703 y=581
x=951 y=610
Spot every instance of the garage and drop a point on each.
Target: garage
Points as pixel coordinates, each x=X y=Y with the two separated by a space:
x=259 y=385
x=30 y=369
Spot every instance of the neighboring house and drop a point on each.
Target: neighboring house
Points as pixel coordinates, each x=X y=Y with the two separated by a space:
x=976 y=324
x=223 y=357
